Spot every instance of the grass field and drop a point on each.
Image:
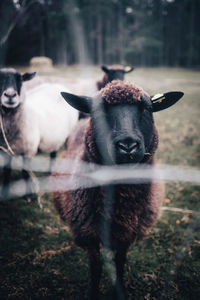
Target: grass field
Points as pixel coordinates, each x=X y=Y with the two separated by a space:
x=38 y=259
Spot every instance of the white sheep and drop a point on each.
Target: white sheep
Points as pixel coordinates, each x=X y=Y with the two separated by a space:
x=50 y=124
x=38 y=119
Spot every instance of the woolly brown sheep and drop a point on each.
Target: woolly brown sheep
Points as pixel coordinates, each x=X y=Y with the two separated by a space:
x=115 y=215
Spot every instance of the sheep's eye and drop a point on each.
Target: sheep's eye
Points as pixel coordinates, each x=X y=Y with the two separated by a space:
x=18 y=82
x=145 y=107
x=18 y=78
x=141 y=107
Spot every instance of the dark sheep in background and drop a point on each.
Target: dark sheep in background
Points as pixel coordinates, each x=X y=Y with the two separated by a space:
x=113 y=72
x=131 y=138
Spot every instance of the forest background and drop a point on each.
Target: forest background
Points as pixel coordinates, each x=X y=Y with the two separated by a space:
x=137 y=32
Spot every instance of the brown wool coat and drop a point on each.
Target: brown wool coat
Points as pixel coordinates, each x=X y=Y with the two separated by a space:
x=136 y=207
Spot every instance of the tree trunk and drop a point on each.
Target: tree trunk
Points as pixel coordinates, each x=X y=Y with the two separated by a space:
x=108 y=43
x=99 y=35
x=121 y=33
x=191 y=34
x=62 y=49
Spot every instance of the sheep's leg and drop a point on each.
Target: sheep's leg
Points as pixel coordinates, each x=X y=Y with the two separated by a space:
x=95 y=269
x=29 y=177
x=120 y=259
x=6 y=175
x=52 y=159
x=26 y=175
x=32 y=183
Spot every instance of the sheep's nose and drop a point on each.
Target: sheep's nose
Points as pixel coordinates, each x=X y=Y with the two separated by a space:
x=127 y=145
x=10 y=95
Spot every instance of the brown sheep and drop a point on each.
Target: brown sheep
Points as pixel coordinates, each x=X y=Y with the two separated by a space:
x=114 y=215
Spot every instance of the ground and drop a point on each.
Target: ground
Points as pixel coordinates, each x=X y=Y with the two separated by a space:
x=38 y=258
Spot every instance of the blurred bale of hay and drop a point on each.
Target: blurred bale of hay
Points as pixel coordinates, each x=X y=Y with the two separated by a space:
x=38 y=63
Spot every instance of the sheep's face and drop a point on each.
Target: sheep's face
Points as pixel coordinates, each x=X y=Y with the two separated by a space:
x=122 y=120
x=10 y=87
x=116 y=72
x=129 y=132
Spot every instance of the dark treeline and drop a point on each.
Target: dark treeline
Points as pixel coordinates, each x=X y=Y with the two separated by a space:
x=138 y=32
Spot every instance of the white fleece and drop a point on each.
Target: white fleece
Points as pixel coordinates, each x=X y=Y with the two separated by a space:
x=47 y=119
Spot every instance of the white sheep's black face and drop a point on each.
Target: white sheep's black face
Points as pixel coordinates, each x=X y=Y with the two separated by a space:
x=10 y=87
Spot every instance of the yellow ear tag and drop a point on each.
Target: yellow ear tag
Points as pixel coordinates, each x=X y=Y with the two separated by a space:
x=158 y=98
x=127 y=68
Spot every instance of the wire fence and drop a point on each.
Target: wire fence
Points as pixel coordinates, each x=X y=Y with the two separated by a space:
x=91 y=175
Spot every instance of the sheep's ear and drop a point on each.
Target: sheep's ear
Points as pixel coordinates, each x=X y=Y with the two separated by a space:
x=163 y=101
x=81 y=103
x=28 y=76
x=105 y=69
x=128 y=69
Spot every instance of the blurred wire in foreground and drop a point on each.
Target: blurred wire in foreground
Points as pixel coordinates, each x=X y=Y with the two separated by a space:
x=92 y=175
